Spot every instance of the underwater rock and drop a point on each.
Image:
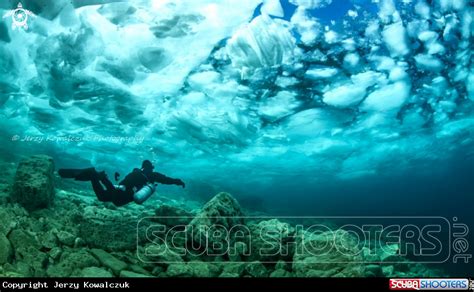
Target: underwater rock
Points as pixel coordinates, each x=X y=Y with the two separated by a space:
x=373 y=271
x=130 y=274
x=5 y=249
x=203 y=269
x=388 y=252
x=388 y=271
x=327 y=254
x=8 y=221
x=280 y=274
x=219 y=216
x=95 y=272
x=158 y=270
x=20 y=240
x=256 y=269
x=72 y=262
x=33 y=186
x=271 y=241
x=160 y=254
x=97 y=226
x=55 y=253
x=31 y=262
x=137 y=269
x=79 y=242
x=179 y=270
x=172 y=216
x=228 y=275
x=281 y=265
x=222 y=205
x=234 y=269
x=66 y=238
x=109 y=260
x=48 y=239
x=238 y=252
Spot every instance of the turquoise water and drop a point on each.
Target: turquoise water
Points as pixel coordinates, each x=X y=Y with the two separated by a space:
x=320 y=108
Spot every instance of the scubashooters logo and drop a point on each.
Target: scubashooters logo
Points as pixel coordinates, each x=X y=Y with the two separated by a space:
x=19 y=17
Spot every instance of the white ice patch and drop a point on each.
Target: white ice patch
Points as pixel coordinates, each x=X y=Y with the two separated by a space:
x=398 y=74
x=311 y=4
x=423 y=9
x=447 y=5
x=312 y=122
x=430 y=39
x=394 y=36
x=387 y=11
x=351 y=60
x=307 y=27
x=351 y=94
x=286 y=81
x=369 y=78
x=427 y=36
x=372 y=30
x=264 y=42
x=388 y=98
x=193 y=98
x=331 y=37
x=428 y=63
x=349 y=44
x=345 y=95
x=201 y=80
x=279 y=106
x=383 y=63
x=272 y=7
x=352 y=13
x=321 y=73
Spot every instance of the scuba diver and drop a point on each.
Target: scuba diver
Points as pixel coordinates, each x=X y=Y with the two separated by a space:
x=137 y=186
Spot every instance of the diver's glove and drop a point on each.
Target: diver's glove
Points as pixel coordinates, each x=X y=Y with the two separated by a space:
x=181 y=183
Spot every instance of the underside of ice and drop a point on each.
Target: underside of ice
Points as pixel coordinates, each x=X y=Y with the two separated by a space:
x=219 y=91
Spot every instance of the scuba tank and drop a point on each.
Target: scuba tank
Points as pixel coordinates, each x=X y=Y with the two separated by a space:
x=144 y=193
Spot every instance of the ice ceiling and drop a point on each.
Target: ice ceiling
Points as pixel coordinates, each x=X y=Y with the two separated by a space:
x=216 y=92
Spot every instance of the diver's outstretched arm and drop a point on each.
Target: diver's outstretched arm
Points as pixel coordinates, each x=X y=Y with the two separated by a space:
x=163 y=179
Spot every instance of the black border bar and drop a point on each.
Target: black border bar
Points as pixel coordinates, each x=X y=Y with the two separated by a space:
x=220 y=284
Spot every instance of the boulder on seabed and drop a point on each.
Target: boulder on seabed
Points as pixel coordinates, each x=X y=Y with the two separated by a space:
x=33 y=186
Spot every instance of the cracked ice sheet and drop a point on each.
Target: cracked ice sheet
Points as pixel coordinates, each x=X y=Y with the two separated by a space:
x=204 y=24
x=206 y=125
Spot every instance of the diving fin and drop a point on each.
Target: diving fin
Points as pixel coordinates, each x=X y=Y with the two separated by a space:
x=85 y=174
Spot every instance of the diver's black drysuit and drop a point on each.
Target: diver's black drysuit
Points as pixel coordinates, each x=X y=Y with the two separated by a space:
x=133 y=182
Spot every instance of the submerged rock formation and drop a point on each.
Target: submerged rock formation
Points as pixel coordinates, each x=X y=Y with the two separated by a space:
x=272 y=240
x=77 y=238
x=218 y=219
x=172 y=216
x=5 y=249
x=97 y=227
x=33 y=187
x=328 y=254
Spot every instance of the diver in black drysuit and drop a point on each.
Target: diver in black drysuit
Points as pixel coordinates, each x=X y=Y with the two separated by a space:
x=127 y=189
